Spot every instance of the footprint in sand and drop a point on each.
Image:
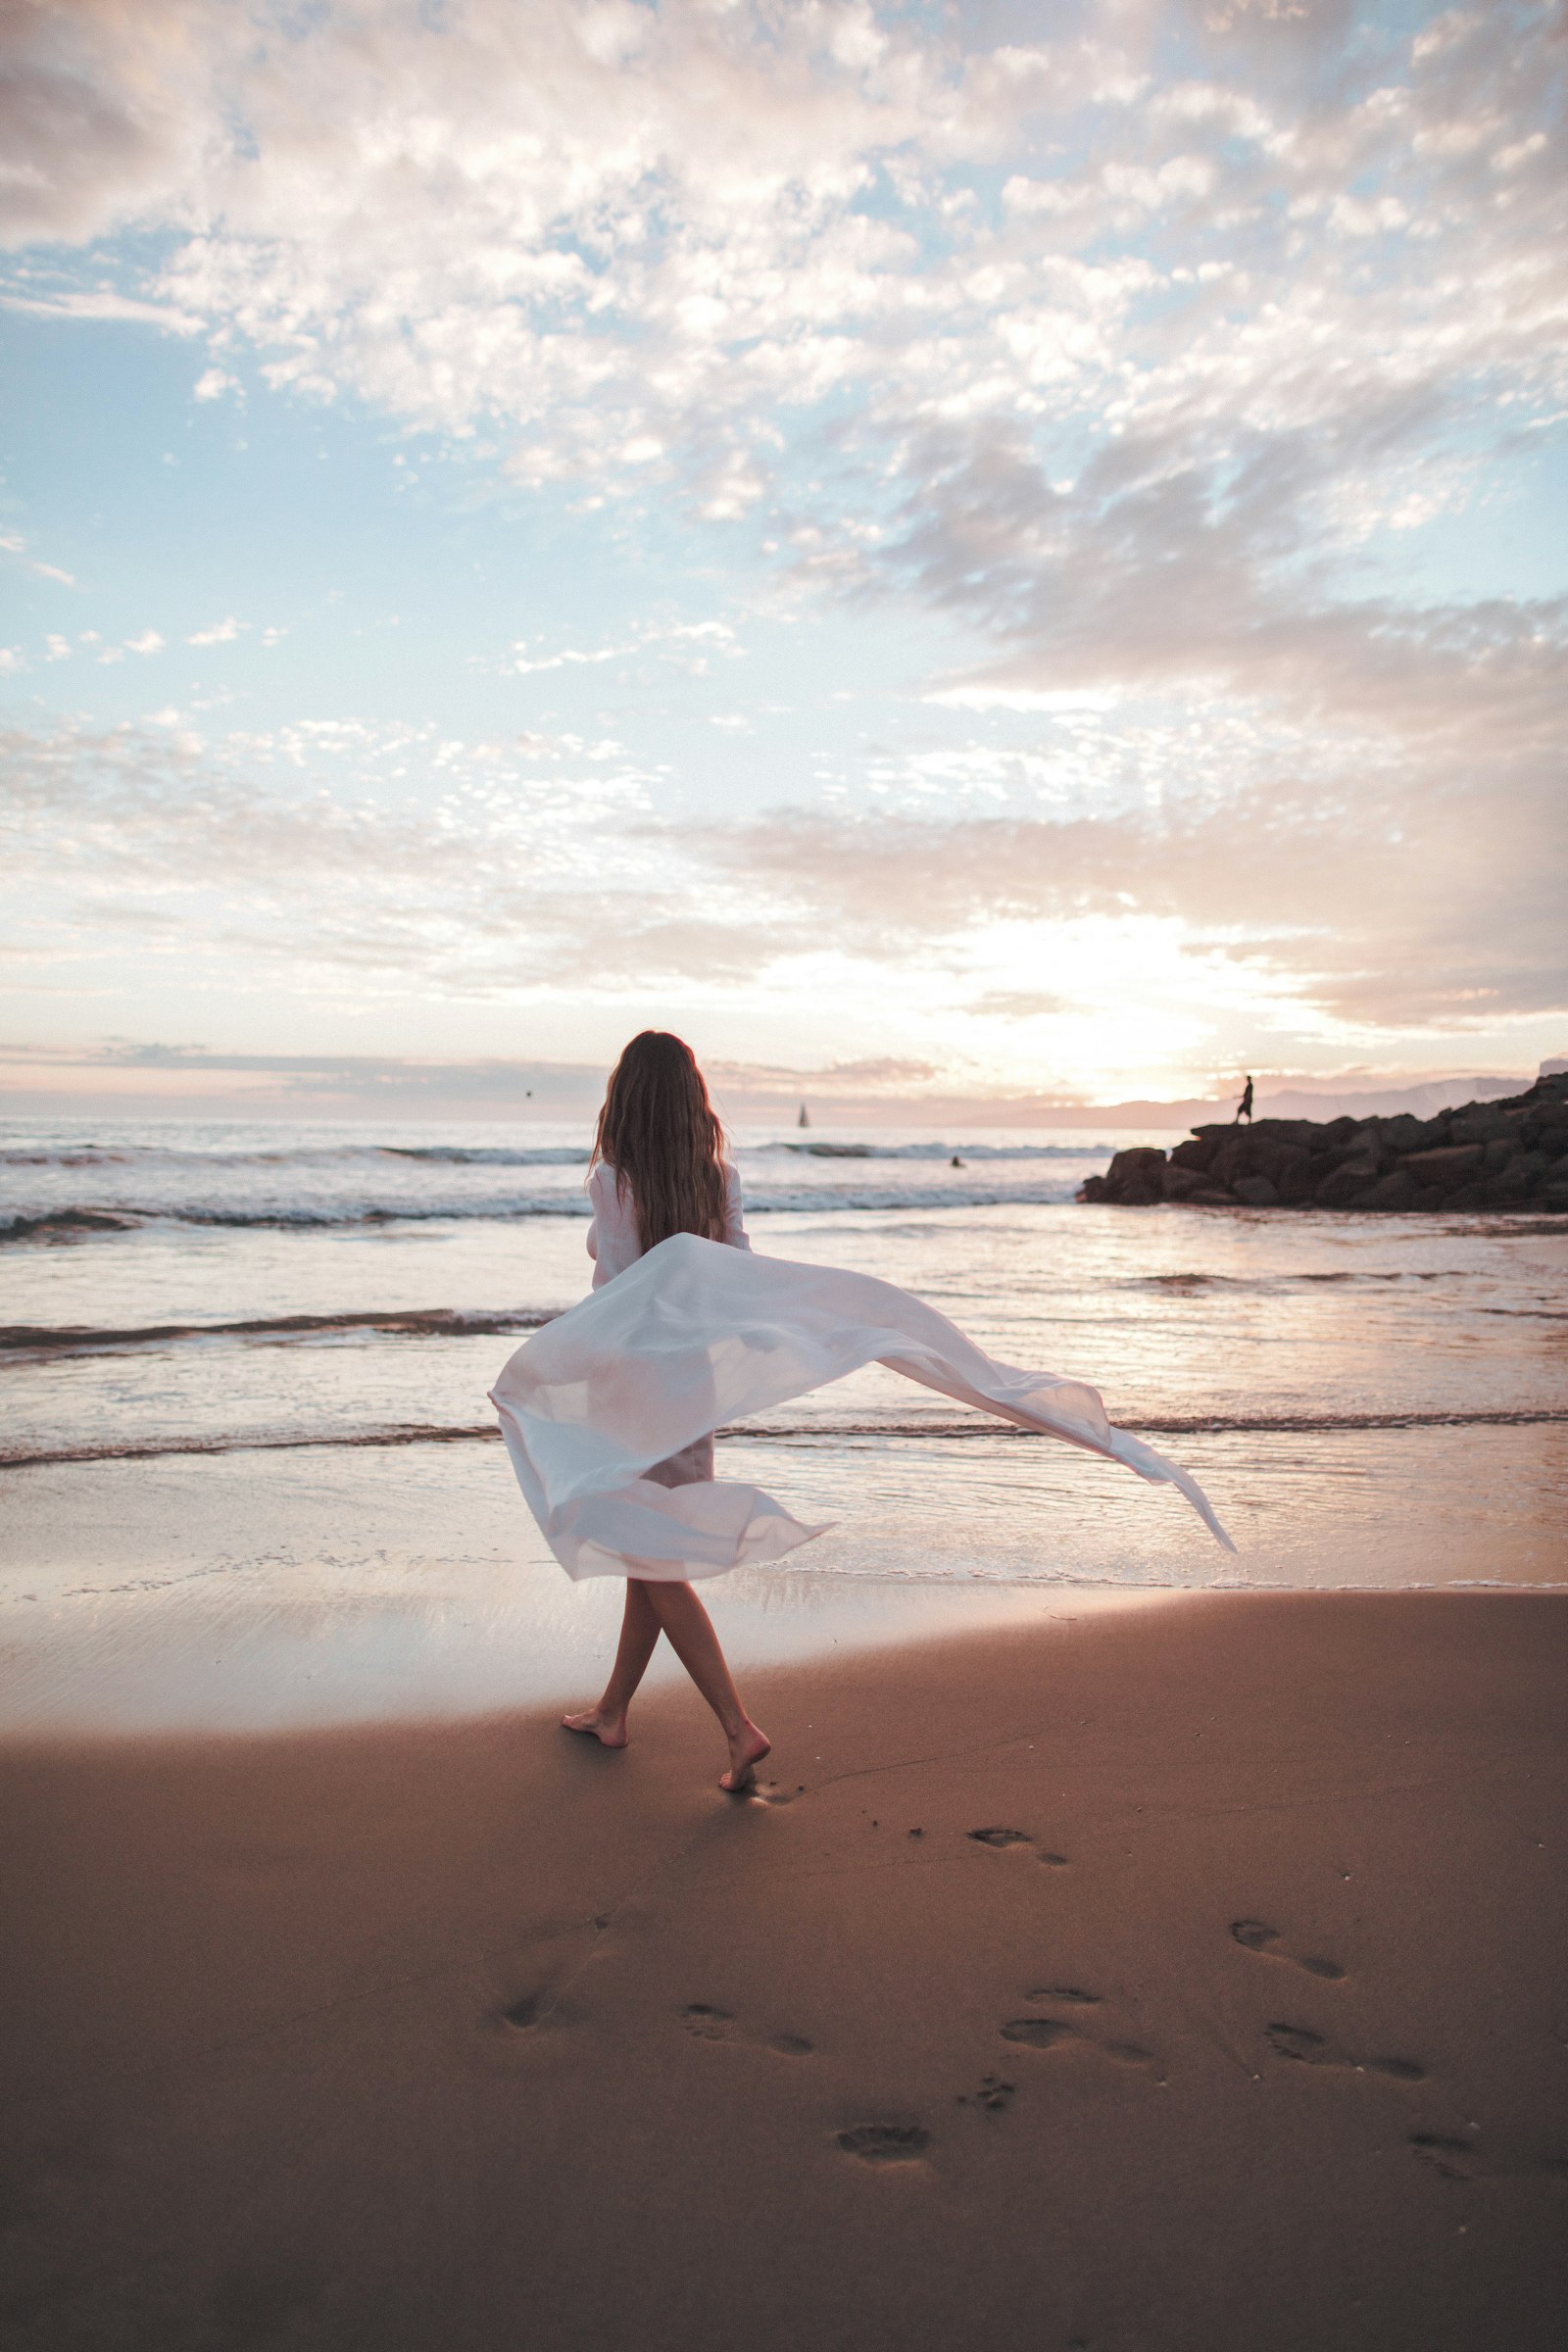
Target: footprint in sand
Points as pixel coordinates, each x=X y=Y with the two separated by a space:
x=999 y=1840
x=528 y=2011
x=995 y=2094
x=885 y=2143
x=1045 y=2032
x=1304 y=2047
x=706 y=2023
x=1457 y=2159
x=1127 y=2053
x=1036 y=2033
x=1453 y=2158
x=1256 y=1935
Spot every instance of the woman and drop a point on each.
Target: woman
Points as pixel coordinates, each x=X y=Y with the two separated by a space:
x=609 y=1410
x=658 y=1167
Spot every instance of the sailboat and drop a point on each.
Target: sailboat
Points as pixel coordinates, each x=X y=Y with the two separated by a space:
x=803 y=1120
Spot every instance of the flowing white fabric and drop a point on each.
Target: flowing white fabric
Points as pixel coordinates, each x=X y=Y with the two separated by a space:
x=695 y=1334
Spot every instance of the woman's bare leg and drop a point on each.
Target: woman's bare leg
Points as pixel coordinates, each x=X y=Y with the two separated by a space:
x=639 y=1632
x=691 y=1636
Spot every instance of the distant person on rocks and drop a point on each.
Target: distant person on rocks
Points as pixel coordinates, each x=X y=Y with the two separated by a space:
x=1243 y=1109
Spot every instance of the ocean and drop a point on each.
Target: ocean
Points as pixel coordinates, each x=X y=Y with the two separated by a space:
x=244 y=1359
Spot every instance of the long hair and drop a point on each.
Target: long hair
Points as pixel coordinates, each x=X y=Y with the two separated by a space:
x=661 y=1135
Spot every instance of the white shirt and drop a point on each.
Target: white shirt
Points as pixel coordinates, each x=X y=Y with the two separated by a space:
x=613 y=1239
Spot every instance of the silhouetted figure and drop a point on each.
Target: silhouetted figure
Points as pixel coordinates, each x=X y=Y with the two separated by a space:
x=1243 y=1109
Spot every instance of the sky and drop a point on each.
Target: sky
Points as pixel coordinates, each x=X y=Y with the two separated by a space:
x=1003 y=553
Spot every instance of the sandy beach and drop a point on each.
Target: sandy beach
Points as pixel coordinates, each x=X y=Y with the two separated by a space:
x=1184 y=1977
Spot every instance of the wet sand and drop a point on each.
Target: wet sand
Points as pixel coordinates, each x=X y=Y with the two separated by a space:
x=1184 y=1977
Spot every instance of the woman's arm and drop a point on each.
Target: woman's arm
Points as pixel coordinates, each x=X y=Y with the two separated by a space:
x=613 y=1239
x=734 y=1208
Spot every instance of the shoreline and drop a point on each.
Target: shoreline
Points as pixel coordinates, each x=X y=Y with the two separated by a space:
x=1240 y=2026
x=268 y=1590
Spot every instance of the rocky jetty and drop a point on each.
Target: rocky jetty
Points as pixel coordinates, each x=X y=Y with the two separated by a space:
x=1509 y=1154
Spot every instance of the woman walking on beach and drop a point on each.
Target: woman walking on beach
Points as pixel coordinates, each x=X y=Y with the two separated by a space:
x=609 y=1410
x=658 y=1169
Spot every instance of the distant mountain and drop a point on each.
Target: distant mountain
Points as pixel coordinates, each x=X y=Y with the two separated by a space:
x=1423 y=1101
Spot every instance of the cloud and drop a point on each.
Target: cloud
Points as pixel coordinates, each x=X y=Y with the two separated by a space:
x=1124 y=351
x=12 y=543
x=104 y=110
x=1019 y=1004
x=570 y=657
x=1409 y=897
x=221 y=632
x=1346 y=885
x=689 y=644
x=635 y=237
x=682 y=237
x=302 y=850
x=104 y=305
x=294 y=1080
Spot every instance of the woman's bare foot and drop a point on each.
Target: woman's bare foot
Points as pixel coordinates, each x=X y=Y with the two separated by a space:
x=747 y=1748
x=608 y=1730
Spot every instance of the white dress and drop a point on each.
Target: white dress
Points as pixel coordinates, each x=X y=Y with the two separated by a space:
x=608 y=1411
x=613 y=1244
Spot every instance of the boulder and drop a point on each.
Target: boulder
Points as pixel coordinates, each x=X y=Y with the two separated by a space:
x=1511 y=1188
x=1143 y=1163
x=1195 y=1153
x=1450 y=1165
x=1394 y=1191
x=1406 y=1133
x=1479 y=1123
x=1255 y=1192
x=1236 y=1155
x=1343 y=1185
x=1135 y=1179
x=1299 y=1177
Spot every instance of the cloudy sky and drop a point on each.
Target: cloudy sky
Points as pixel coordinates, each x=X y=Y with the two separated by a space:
x=995 y=550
